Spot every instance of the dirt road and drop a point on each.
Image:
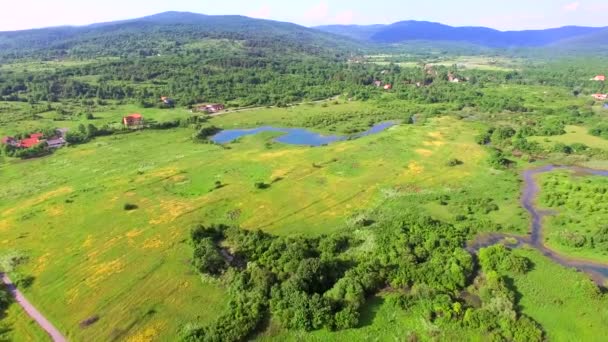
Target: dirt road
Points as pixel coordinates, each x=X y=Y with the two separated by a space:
x=31 y=310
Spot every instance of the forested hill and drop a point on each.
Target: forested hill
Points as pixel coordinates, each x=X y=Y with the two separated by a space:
x=405 y=31
x=171 y=33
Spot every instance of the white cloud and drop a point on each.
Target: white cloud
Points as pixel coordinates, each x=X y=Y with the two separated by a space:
x=317 y=12
x=571 y=7
x=263 y=12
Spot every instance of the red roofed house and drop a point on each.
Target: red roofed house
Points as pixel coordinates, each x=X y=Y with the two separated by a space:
x=600 y=97
x=388 y=87
x=599 y=78
x=33 y=140
x=133 y=121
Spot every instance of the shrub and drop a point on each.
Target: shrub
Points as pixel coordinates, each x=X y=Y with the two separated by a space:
x=130 y=206
x=454 y=162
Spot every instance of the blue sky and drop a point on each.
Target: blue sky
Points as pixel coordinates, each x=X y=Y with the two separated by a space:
x=500 y=14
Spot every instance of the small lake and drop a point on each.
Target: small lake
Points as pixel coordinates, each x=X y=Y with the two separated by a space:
x=297 y=136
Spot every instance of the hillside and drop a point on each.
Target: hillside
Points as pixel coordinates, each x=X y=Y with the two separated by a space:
x=169 y=32
x=360 y=32
x=428 y=31
x=597 y=41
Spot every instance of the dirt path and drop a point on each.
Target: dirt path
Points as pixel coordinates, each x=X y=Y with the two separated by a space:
x=31 y=310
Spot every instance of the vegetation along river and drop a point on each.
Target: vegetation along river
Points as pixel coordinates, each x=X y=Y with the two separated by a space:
x=598 y=271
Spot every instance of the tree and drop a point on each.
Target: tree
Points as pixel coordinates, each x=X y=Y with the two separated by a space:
x=207 y=258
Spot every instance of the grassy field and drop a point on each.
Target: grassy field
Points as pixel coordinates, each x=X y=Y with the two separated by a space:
x=574 y=134
x=565 y=302
x=130 y=268
x=19 y=327
x=109 y=114
x=463 y=62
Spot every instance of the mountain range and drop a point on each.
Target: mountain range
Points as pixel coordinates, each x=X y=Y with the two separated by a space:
x=172 y=32
x=405 y=31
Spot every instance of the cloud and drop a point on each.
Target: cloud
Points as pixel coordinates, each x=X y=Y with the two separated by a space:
x=317 y=12
x=344 y=18
x=571 y=7
x=263 y=12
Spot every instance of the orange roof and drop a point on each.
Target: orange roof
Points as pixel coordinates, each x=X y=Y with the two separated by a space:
x=31 y=142
x=36 y=135
x=134 y=116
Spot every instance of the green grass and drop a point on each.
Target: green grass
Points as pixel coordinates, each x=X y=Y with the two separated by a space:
x=580 y=209
x=20 y=327
x=565 y=302
x=91 y=257
x=382 y=320
x=574 y=134
x=110 y=114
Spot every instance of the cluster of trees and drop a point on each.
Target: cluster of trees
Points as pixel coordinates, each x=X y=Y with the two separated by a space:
x=320 y=283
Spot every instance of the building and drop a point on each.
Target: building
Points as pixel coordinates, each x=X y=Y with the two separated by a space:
x=388 y=87
x=605 y=105
x=56 y=142
x=210 y=108
x=133 y=121
x=600 y=97
x=167 y=100
x=378 y=84
x=29 y=142
x=10 y=141
x=599 y=78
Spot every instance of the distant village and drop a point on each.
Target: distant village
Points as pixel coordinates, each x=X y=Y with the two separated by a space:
x=38 y=139
x=58 y=138
x=600 y=97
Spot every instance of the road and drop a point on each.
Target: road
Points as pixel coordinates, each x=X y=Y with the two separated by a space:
x=31 y=310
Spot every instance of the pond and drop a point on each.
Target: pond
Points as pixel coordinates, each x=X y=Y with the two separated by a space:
x=297 y=136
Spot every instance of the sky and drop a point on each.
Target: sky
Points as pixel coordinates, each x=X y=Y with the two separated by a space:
x=499 y=14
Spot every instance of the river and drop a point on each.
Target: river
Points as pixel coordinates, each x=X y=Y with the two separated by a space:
x=597 y=271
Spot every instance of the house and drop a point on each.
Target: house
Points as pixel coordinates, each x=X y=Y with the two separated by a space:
x=210 y=108
x=599 y=78
x=452 y=78
x=133 y=121
x=29 y=142
x=167 y=100
x=378 y=84
x=600 y=97
x=33 y=140
x=388 y=87
x=10 y=141
x=56 y=142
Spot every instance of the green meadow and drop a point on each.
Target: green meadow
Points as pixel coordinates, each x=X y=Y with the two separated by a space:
x=130 y=269
x=565 y=302
x=577 y=226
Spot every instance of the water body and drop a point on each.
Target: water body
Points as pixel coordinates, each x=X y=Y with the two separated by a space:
x=598 y=271
x=297 y=136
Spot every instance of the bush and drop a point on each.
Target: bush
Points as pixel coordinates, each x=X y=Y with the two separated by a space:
x=454 y=162
x=130 y=206
x=261 y=185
